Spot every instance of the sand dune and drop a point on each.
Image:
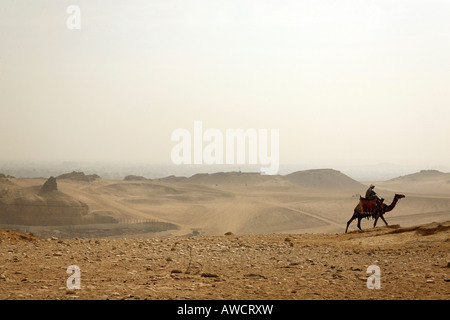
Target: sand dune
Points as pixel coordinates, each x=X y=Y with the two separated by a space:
x=247 y=203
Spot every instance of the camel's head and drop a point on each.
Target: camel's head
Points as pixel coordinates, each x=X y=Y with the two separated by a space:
x=399 y=196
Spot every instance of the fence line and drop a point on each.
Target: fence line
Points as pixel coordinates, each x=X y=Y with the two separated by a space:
x=138 y=221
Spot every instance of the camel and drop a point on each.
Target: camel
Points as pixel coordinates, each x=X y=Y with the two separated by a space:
x=371 y=208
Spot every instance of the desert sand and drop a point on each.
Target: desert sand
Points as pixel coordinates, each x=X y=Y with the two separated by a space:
x=227 y=236
x=414 y=264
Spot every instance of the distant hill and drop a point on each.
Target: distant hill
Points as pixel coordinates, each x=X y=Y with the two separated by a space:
x=327 y=179
x=172 y=178
x=3 y=176
x=134 y=178
x=324 y=179
x=78 y=176
x=422 y=175
x=424 y=181
x=236 y=178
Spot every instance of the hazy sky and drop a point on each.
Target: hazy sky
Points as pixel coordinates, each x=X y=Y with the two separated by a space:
x=345 y=82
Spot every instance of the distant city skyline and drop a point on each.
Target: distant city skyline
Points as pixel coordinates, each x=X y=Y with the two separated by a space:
x=347 y=84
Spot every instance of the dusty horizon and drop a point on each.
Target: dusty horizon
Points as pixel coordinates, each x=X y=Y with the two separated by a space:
x=118 y=170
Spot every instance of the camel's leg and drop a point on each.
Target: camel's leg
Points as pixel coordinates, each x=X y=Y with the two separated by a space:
x=350 y=221
x=359 y=222
x=378 y=215
x=382 y=218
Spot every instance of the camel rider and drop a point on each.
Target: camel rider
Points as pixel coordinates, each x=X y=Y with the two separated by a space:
x=372 y=195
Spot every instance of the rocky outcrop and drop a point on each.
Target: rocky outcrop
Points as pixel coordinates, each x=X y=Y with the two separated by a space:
x=49 y=185
x=43 y=205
